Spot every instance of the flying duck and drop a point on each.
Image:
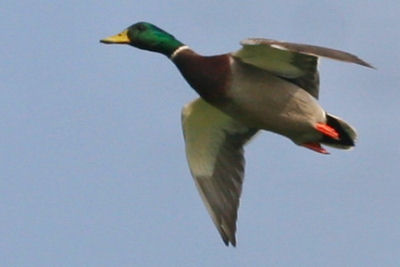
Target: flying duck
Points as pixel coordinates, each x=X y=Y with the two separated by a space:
x=266 y=85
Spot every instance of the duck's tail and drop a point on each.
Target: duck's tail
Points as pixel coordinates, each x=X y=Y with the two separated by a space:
x=346 y=135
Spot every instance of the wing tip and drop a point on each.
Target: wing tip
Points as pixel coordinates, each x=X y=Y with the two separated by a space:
x=229 y=240
x=228 y=234
x=366 y=64
x=355 y=59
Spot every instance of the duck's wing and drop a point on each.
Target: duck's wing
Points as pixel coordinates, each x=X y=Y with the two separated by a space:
x=295 y=62
x=214 y=149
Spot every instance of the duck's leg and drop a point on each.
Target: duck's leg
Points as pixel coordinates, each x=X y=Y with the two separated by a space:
x=315 y=147
x=327 y=130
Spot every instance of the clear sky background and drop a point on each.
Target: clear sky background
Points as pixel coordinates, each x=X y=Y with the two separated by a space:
x=92 y=164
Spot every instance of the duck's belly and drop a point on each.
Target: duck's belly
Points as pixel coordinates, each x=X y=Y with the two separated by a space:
x=261 y=100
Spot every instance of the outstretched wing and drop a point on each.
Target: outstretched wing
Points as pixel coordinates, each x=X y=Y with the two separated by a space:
x=214 y=149
x=294 y=62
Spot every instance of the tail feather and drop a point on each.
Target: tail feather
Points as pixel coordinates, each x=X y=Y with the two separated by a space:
x=347 y=134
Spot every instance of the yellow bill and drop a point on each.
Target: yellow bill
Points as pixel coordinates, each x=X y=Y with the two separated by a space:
x=120 y=38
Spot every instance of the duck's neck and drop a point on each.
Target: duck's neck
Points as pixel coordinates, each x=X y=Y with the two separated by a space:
x=166 y=46
x=209 y=76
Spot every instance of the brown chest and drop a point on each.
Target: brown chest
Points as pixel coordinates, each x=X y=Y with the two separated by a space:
x=209 y=76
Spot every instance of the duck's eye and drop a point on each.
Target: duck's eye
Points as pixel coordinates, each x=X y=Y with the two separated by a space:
x=141 y=27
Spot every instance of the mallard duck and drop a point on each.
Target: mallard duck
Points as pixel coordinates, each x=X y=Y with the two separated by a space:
x=266 y=85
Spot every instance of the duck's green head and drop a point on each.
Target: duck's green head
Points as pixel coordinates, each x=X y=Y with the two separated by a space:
x=146 y=36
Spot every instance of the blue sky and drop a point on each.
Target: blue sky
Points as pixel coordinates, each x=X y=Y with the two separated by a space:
x=92 y=164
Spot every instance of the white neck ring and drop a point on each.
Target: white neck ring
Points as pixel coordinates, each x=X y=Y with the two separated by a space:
x=178 y=50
